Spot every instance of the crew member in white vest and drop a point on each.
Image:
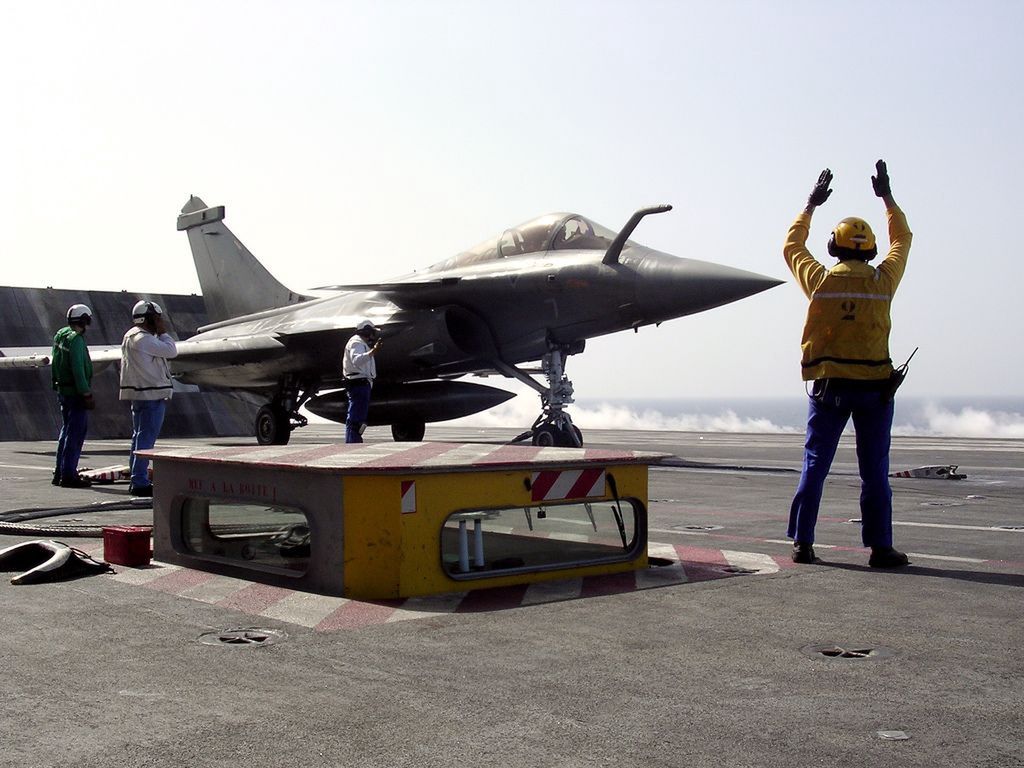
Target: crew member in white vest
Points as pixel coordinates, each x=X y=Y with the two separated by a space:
x=146 y=382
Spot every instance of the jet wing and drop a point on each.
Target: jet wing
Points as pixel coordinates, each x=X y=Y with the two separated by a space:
x=39 y=357
x=412 y=286
x=424 y=294
x=230 y=349
x=24 y=357
x=225 y=351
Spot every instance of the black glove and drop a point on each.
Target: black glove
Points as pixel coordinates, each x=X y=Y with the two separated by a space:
x=881 y=181
x=821 y=191
x=89 y=402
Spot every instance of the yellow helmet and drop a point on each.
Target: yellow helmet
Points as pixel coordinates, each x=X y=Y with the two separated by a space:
x=853 y=239
x=854 y=234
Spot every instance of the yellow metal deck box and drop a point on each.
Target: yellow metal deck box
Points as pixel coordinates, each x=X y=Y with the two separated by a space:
x=391 y=520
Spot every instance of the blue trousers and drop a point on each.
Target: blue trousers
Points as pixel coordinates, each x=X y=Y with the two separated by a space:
x=872 y=421
x=147 y=418
x=74 y=422
x=358 y=409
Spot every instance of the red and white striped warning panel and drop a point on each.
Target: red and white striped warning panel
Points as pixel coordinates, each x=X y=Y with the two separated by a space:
x=553 y=484
x=676 y=565
x=109 y=474
x=408 y=497
x=105 y=474
x=947 y=472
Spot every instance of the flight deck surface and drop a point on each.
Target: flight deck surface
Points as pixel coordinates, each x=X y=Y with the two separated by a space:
x=728 y=654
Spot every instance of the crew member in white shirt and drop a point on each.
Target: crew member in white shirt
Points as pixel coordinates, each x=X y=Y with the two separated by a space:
x=359 y=369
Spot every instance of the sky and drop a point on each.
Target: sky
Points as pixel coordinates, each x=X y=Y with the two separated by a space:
x=356 y=141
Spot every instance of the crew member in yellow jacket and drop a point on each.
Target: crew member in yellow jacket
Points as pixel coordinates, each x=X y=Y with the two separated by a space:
x=846 y=355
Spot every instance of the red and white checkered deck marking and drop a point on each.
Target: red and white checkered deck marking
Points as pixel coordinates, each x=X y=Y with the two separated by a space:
x=555 y=484
x=373 y=458
x=328 y=614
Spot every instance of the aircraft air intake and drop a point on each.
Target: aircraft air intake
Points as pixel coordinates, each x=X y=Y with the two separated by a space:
x=470 y=334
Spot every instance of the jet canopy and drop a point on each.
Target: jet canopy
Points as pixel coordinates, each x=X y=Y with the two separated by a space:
x=554 y=231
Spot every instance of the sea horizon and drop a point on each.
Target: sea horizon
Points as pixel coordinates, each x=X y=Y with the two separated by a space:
x=935 y=416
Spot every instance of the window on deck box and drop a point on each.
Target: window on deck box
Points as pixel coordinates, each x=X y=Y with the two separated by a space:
x=265 y=535
x=487 y=542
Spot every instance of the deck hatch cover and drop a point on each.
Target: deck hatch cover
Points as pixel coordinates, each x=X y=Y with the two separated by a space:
x=244 y=637
x=835 y=651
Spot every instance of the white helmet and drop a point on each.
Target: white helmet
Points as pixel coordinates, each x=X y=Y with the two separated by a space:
x=365 y=325
x=144 y=310
x=79 y=314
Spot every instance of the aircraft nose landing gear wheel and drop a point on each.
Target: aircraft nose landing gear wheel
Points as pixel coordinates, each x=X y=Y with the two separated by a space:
x=546 y=435
x=564 y=436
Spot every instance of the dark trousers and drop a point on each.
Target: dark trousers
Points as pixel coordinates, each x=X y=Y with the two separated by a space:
x=358 y=409
x=74 y=422
x=872 y=413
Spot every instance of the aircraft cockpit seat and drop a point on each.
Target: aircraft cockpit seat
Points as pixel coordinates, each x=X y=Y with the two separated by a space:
x=512 y=243
x=577 y=234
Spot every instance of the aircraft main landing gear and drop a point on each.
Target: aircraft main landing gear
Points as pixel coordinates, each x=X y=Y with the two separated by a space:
x=410 y=430
x=276 y=420
x=272 y=426
x=554 y=426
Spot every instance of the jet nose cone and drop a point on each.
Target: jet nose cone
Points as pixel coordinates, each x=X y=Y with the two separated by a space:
x=668 y=286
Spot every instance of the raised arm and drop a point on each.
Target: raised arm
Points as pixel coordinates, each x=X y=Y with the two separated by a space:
x=895 y=262
x=805 y=268
x=820 y=193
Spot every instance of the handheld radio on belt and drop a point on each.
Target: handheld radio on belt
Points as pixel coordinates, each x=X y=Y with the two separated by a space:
x=897 y=376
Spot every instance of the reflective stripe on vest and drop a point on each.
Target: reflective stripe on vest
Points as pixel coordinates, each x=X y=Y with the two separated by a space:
x=840 y=295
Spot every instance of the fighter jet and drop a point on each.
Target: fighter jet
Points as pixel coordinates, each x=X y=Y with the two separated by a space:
x=533 y=294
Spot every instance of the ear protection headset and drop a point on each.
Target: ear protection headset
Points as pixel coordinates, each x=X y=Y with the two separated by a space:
x=145 y=310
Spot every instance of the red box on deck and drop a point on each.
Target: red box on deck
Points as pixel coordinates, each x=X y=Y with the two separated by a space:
x=127 y=545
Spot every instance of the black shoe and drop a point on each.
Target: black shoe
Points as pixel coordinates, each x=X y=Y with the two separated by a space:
x=887 y=557
x=56 y=479
x=141 y=490
x=75 y=482
x=803 y=553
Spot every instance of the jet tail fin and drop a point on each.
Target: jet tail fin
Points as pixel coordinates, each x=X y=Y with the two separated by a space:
x=232 y=280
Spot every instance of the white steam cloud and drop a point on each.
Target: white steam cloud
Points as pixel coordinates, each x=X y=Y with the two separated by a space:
x=933 y=420
x=521 y=411
x=923 y=418
x=914 y=417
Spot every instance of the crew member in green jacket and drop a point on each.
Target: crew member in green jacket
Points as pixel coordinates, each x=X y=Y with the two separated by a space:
x=845 y=353
x=72 y=380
